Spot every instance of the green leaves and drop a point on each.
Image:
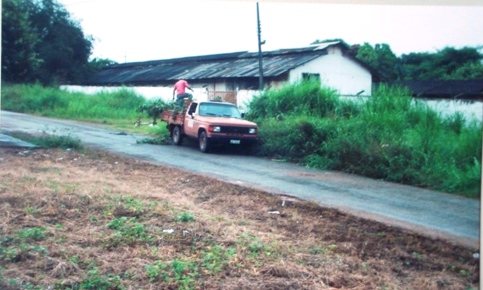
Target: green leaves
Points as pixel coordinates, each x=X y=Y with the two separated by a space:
x=380 y=58
x=40 y=42
x=448 y=63
x=153 y=108
x=19 y=42
x=185 y=217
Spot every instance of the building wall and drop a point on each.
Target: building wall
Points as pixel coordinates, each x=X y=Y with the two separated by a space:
x=338 y=72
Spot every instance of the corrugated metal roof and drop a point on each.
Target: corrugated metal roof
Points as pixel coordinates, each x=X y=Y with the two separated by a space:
x=461 y=89
x=229 y=65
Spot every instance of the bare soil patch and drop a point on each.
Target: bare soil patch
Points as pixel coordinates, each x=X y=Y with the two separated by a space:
x=94 y=220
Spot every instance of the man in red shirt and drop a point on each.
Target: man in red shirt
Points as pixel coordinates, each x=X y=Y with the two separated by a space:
x=180 y=91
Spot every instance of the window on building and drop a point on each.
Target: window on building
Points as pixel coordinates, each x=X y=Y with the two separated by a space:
x=310 y=77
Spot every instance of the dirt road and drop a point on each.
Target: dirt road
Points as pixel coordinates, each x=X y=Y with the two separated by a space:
x=432 y=213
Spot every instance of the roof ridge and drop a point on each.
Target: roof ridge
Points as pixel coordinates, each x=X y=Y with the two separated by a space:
x=238 y=54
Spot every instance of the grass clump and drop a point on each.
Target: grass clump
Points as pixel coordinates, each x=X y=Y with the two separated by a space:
x=185 y=217
x=53 y=141
x=389 y=136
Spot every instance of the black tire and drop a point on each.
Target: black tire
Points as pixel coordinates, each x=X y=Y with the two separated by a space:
x=176 y=136
x=204 y=142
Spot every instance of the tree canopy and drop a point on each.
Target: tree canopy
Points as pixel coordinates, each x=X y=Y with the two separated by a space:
x=380 y=58
x=446 y=64
x=41 y=42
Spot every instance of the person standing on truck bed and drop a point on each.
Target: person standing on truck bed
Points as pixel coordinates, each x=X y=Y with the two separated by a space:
x=180 y=91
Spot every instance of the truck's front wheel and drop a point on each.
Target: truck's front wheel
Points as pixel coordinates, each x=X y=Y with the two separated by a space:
x=177 y=136
x=204 y=142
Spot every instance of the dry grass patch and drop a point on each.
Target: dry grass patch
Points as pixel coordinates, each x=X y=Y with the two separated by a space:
x=93 y=220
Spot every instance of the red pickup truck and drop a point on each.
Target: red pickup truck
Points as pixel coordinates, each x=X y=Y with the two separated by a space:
x=211 y=123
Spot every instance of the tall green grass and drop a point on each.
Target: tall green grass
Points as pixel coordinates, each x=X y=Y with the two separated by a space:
x=389 y=136
x=306 y=99
x=104 y=107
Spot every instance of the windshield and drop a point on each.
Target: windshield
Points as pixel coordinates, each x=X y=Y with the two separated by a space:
x=219 y=110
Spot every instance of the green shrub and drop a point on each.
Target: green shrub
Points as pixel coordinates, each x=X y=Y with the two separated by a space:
x=153 y=108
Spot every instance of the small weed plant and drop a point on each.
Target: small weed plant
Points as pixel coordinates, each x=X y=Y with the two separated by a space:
x=22 y=245
x=127 y=231
x=185 y=217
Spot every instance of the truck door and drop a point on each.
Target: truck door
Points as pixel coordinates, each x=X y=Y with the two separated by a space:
x=190 y=126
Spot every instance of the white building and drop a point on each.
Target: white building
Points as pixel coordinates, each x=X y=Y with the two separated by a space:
x=235 y=76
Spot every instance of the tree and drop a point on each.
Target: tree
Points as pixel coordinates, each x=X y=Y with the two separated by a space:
x=468 y=71
x=60 y=52
x=380 y=58
x=99 y=63
x=19 y=41
x=448 y=63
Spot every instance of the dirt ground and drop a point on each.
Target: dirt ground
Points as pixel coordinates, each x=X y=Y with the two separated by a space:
x=93 y=220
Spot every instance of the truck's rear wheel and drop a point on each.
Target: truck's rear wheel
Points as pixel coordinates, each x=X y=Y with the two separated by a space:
x=177 y=136
x=204 y=142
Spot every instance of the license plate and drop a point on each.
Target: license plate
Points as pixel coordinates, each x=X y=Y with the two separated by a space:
x=234 y=141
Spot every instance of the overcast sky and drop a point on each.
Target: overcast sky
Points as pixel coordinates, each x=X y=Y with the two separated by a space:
x=140 y=30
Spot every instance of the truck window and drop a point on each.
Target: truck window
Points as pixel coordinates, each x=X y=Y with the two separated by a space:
x=192 y=108
x=219 y=110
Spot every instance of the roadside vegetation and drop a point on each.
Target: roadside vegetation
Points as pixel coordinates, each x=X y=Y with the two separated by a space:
x=114 y=109
x=45 y=140
x=390 y=136
x=102 y=107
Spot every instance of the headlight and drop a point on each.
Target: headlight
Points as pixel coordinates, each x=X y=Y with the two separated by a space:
x=252 y=131
x=216 y=129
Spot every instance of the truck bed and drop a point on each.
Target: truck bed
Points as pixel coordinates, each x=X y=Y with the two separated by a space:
x=167 y=116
